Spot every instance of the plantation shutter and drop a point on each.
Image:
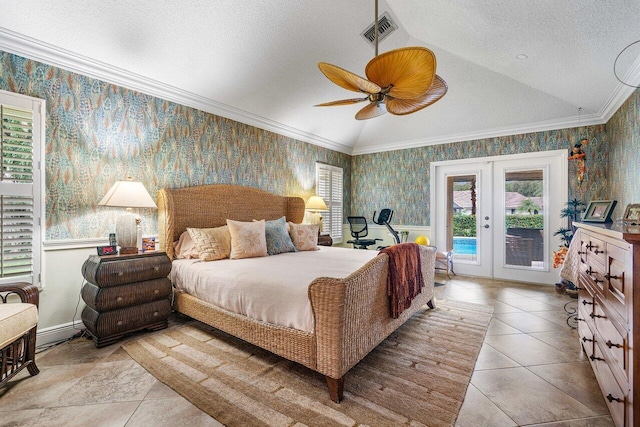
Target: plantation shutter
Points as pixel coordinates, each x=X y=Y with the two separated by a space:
x=329 y=187
x=19 y=199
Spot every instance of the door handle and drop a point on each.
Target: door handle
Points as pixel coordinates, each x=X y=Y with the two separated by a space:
x=486 y=226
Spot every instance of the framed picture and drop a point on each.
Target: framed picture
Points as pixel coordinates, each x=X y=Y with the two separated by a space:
x=599 y=211
x=632 y=214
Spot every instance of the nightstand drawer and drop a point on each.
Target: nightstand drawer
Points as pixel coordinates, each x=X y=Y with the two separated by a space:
x=121 y=269
x=124 y=320
x=114 y=297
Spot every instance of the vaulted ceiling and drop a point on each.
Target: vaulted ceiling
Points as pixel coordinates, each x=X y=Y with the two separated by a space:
x=255 y=61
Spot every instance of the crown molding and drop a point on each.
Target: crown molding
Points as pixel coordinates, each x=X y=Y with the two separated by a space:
x=37 y=50
x=585 y=120
x=622 y=91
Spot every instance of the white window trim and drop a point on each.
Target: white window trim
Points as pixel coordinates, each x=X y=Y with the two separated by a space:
x=335 y=230
x=38 y=106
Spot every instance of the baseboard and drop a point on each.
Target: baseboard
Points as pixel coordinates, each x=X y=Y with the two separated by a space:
x=58 y=333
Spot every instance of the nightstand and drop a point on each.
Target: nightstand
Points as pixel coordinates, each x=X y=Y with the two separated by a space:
x=125 y=293
x=325 y=240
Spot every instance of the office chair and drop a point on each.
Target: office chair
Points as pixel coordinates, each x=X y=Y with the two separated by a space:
x=359 y=230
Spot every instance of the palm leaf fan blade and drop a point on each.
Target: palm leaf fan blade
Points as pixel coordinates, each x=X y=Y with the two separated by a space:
x=341 y=102
x=400 y=107
x=347 y=79
x=409 y=71
x=373 y=109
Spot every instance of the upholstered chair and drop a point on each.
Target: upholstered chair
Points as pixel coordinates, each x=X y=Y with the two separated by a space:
x=18 y=322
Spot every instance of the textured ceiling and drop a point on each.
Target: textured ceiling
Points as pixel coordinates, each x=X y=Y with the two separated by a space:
x=255 y=61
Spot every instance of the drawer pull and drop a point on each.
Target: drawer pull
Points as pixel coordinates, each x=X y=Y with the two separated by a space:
x=156 y=291
x=581 y=253
x=592 y=357
x=589 y=271
x=119 y=299
x=585 y=302
x=610 y=344
x=600 y=316
x=119 y=323
x=156 y=268
x=610 y=398
x=156 y=314
x=120 y=273
x=585 y=339
x=598 y=252
x=579 y=319
x=609 y=277
x=595 y=279
x=590 y=246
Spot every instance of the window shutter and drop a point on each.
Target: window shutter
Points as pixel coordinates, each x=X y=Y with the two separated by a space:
x=329 y=187
x=17 y=201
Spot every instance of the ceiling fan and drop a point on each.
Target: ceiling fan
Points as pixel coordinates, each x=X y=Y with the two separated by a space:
x=401 y=81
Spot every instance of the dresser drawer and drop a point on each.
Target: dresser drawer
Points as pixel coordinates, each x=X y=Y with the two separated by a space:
x=595 y=248
x=118 y=269
x=618 y=285
x=121 y=321
x=114 y=297
x=586 y=338
x=593 y=274
x=615 y=398
x=614 y=346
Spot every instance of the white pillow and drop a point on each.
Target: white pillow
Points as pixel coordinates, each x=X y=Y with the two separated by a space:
x=304 y=236
x=212 y=243
x=247 y=239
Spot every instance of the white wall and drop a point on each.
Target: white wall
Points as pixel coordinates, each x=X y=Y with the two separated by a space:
x=62 y=280
x=381 y=232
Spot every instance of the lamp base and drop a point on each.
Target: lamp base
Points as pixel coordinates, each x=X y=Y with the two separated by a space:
x=126 y=232
x=128 y=251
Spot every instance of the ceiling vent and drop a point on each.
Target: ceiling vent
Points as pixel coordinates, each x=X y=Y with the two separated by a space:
x=385 y=27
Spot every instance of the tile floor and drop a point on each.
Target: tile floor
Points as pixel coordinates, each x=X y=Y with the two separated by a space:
x=531 y=371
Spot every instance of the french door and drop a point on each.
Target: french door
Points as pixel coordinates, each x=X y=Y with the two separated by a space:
x=499 y=214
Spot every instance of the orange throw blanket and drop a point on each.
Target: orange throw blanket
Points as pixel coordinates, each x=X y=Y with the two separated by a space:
x=404 y=281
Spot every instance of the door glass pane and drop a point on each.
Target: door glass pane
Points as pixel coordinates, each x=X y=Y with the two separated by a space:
x=462 y=204
x=524 y=216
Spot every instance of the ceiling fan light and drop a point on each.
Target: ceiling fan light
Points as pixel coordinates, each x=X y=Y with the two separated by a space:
x=373 y=109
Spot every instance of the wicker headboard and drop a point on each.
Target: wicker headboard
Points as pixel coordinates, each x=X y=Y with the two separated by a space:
x=208 y=206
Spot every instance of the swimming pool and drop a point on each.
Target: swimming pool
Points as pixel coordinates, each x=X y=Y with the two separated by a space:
x=464 y=245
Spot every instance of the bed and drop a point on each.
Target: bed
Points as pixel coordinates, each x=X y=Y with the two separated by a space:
x=350 y=314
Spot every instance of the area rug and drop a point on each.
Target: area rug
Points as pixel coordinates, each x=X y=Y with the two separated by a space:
x=417 y=376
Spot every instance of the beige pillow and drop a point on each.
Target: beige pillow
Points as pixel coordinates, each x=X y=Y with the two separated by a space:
x=247 y=239
x=212 y=243
x=185 y=247
x=304 y=236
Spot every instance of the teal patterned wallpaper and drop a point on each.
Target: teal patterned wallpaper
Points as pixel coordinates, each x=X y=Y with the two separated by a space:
x=400 y=179
x=98 y=133
x=623 y=131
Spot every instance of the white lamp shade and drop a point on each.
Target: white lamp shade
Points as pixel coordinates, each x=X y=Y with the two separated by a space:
x=128 y=194
x=315 y=203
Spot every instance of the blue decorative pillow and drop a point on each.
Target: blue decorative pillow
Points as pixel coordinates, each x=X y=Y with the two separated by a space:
x=278 y=239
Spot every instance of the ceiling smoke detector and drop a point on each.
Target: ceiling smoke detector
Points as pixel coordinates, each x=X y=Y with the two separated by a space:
x=385 y=27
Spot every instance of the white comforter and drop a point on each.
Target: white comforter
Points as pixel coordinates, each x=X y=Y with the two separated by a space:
x=271 y=289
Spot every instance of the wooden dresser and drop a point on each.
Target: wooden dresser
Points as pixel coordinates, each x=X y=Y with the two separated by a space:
x=609 y=325
x=125 y=293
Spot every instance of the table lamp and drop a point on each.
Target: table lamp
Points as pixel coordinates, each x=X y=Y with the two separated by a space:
x=315 y=204
x=128 y=194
